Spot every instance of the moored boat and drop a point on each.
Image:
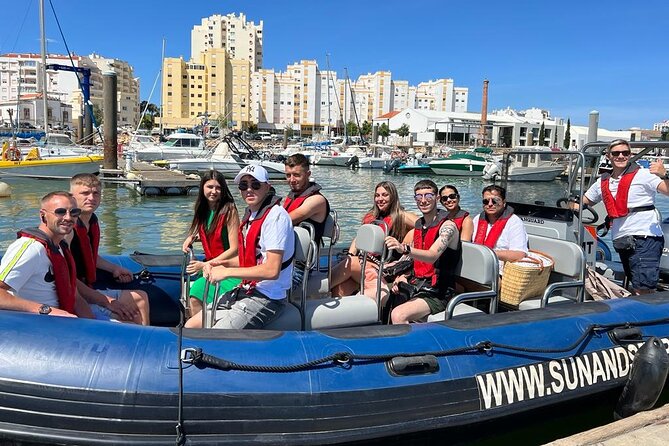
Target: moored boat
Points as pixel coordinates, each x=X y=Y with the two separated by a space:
x=468 y=163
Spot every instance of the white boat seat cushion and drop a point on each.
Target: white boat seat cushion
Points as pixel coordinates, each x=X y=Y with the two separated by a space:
x=535 y=302
x=337 y=312
x=460 y=310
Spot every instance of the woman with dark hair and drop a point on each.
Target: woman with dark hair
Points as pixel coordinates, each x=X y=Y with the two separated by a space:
x=215 y=224
x=450 y=199
x=387 y=208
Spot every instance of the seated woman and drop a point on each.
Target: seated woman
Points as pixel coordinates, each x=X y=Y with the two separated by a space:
x=450 y=199
x=215 y=224
x=346 y=274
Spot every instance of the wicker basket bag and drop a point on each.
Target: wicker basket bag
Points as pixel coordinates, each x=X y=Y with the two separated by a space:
x=526 y=277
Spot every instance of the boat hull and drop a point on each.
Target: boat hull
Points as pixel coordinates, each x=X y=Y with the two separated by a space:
x=50 y=168
x=80 y=381
x=460 y=168
x=534 y=173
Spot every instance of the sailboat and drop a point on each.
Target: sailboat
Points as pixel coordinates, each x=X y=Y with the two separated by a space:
x=14 y=164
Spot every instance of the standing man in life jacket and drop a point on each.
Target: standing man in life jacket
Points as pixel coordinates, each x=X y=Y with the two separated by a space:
x=498 y=228
x=304 y=201
x=629 y=196
x=264 y=263
x=434 y=245
x=37 y=273
x=123 y=305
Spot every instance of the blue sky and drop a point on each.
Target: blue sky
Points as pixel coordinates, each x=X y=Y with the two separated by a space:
x=567 y=56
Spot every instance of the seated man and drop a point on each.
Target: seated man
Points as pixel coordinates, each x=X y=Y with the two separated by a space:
x=37 y=273
x=123 y=305
x=304 y=202
x=498 y=228
x=264 y=262
x=434 y=245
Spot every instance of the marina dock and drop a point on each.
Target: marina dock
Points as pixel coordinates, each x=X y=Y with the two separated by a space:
x=649 y=428
x=150 y=180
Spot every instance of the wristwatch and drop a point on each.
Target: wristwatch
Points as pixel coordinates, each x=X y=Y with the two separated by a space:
x=44 y=309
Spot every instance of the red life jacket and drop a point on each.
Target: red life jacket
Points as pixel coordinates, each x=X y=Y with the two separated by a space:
x=617 y=207
x=84 y=248
x=491 y=238
x=459 y=218
x=64 y=269
x=212 y=243
x=293 y=202
x=423 y=238
x=248 y=246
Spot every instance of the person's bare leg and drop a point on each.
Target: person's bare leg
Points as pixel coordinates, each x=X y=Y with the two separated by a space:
x=410 y=311
x=140 y=300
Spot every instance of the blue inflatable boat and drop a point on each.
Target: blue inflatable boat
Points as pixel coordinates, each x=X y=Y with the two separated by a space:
x=87 y=382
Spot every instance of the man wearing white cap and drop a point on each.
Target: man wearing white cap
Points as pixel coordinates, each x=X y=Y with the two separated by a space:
x=264 y=263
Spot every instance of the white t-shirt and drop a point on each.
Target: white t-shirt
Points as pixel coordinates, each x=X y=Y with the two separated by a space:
x=513 y=237
x=276 y=234
x=27 y=270
x=642 y=193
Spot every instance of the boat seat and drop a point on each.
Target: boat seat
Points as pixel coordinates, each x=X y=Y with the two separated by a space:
x=348 y=311
x=568 y=272
x=318 y=283
x=478 y=266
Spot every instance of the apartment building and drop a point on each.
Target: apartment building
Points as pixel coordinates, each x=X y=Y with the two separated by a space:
x=441 y=95
x=242 y=40
x=20 y=76
x=212 y=85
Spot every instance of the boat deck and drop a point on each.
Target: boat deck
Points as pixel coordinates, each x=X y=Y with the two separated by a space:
x=148 y=179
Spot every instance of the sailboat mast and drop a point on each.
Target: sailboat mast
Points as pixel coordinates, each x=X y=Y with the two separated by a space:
x=43 y=71
x=327 y=60
x=162 y=62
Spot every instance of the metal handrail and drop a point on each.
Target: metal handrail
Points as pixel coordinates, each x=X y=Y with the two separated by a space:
x=186 y=278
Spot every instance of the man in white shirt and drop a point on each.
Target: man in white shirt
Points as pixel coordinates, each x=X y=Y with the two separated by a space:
x=498 y=228
x=37 y=273
x=629 y=196
x=264 y=263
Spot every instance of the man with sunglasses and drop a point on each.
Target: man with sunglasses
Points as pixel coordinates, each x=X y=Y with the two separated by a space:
x=498 y=228
x=434 y=246
x=37 y=273
x=628 y=193
x=264 y=262
x=122 y=305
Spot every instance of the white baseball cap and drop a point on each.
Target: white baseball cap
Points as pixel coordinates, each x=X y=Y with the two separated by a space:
x=256 y=171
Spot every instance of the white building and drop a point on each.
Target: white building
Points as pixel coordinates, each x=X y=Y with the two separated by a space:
x=30 y=109
x=462 y=128
x=241 y=39
x=660 y=125
x=441 y=95
x=20 y=75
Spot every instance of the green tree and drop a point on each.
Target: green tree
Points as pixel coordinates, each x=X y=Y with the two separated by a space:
x=542 y=134
x=147 y=122
x=567 y=136
x=253 y=128
x=384 y=131
x=665 y=133
x=403 y=130
x=555 y=137
x=351 y=128
x=366 y=128
x=289 y=130
x=98 y=115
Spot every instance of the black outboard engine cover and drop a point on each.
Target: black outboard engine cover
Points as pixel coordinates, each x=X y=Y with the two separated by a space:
x=645 y=381
x=664 y=260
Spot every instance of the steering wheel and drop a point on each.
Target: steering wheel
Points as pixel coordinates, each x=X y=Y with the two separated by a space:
x=590 y=219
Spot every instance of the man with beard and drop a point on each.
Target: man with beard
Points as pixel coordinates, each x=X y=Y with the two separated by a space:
x=37 y=273
x=498 y=228
x=434 y=245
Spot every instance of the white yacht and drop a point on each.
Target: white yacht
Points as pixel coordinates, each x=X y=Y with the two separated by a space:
x=177 y=146
x=528 y=166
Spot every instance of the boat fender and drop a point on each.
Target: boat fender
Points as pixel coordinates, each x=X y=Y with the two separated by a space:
x=645 y=381
x=412 y=365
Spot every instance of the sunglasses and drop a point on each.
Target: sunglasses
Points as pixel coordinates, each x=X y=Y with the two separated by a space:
x=255 y=185
x=428 y=196
x=617 y=153
x=445 y=198
x=61 y=212
x=493 y=201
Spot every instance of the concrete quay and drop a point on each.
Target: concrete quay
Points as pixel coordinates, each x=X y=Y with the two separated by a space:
x=649 y=428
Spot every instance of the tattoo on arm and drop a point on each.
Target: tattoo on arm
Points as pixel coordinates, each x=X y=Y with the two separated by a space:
x=446 y=234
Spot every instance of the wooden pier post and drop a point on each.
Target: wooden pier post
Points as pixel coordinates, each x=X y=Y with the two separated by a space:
x=110 y=110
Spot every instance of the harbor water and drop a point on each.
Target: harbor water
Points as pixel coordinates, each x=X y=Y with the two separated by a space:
x=158 y=225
